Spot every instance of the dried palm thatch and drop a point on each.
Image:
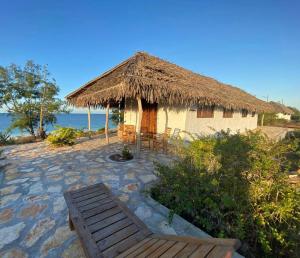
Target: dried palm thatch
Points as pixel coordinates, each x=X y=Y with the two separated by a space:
x=280 y=108
x=156 y=80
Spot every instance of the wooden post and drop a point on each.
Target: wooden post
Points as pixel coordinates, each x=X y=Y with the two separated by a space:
x=106 y=123
x=262 y=119
x=139 y=123
x=119 y=114
x=89 y=118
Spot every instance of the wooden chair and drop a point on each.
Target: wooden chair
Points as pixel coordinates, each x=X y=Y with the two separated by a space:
x=120 y=131
x=146 y=136
x=160 y=141
x=107 y=228
x=129 y=134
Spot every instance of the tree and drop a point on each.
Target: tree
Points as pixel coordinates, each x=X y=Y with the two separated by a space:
x=30 y=97
x=117 y=116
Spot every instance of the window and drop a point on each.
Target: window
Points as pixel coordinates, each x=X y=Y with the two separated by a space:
x=227 y=113
x=205 y=112
x=253 y=114
x=244 y=113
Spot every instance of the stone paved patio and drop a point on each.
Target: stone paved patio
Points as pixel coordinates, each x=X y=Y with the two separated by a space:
x=33 y=213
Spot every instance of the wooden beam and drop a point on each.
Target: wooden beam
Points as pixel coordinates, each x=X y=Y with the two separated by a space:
x=106 y=123
x=139 y=124
x=89 y=118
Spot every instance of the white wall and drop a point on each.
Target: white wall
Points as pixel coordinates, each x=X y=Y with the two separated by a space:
x=218 y=122
x=283 y=116
x=130 y=112
x=173 y=117
x=186 y=119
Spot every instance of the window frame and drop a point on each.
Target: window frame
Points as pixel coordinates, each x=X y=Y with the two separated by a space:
x=205 y=112
x=244 y=113
x=228 y=113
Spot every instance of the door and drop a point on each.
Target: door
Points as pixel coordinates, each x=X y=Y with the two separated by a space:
x=149 y=119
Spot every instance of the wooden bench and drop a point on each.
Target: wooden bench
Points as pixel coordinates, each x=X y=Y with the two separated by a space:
x=107 y=228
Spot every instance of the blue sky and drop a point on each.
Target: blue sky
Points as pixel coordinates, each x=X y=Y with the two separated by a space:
x=254 y=45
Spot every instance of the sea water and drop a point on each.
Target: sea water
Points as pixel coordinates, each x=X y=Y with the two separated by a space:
x=78 y=121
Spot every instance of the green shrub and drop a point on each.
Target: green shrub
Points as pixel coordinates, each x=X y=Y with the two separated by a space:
x=126 y=154
x=5 y=138
x=101 y=130
x=63 y=136
x=236 y=186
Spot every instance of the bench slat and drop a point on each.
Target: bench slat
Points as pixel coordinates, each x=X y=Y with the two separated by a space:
x=111 y=229
x=106 y=222
x=123 y=245
x=103 y=215
x=91 y=200
x=107 y=228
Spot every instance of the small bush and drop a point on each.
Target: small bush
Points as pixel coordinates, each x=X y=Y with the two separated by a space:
x=5 y=138
x=236 y=186
x=101 y=130
x=63 y=136
x=126 y=154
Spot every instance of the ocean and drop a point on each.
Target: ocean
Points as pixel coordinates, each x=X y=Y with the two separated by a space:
x=78 y=121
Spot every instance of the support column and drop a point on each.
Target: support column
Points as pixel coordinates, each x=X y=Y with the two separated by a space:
x=139 y=123
x=106 y=123
x=89 y=118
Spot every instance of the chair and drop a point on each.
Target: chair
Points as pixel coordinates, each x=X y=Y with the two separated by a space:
x=120 y=131
x=161 y=140
x=129 y=134
x=146 y=136
x=107 y=228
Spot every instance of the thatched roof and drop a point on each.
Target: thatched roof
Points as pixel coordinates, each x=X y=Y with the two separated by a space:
x=159 y=81
x=280 y=108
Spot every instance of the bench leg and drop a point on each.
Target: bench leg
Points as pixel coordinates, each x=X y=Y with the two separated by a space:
x=71 y=225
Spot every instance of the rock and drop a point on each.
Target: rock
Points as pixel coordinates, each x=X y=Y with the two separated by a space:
x=110 y=178
x=13 y=253
x=8 y=189
x=32 y=210
x=143 y=212
x=36 y=188
x=147 y=178
x=38 y=230
x=130 y=187
x=6 y=215
x=54 y=189
x=27 y=170
x=59 y=204
x=9 y=198
x=36 y=198
x=71 y=180
x=54 y=178
x=74 y=250
x=166 y=229
x=72 y=173
x=57 y=239
x=9 y=234
x=124 y=197
x=130 y=175
x=75 y=187
x=35 y=179
x=53 y=168
x=17 y=181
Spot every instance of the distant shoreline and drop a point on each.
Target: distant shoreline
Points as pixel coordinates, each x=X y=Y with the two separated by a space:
x=75 y=120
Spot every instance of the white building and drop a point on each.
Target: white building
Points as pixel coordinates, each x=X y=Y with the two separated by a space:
x=282 y=111
x=170 y=97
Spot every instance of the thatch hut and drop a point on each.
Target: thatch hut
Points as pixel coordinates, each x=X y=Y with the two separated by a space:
x=158 y=94
x=282 y=111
